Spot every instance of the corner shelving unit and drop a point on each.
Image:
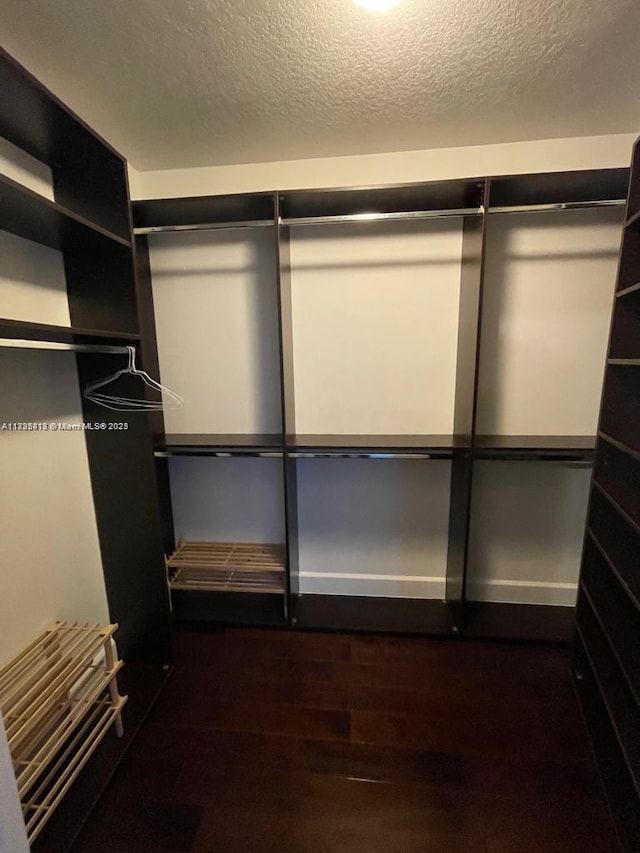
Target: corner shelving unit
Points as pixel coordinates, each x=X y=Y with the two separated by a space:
x=315 y=216
x=79 y=242
x=606 y=661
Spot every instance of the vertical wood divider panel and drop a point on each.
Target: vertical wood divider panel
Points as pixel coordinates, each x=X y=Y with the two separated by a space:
x=150 y=362
x=464 y=417
x=288 y=425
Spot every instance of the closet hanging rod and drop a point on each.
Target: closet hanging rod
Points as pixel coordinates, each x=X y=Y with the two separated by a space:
x=18 y=343
x=221 y=454
x=204 y=226
x=381 y=217
x=558 y=206
x=357 y=454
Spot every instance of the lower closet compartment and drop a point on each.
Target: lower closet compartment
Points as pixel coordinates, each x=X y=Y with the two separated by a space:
x=229 y=558
x=526 y=535
x=372 y=544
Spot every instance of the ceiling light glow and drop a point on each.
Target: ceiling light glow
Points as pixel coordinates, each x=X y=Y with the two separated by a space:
x=377 y=5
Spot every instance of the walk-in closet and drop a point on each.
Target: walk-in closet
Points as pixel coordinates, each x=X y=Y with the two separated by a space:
x=319 y=418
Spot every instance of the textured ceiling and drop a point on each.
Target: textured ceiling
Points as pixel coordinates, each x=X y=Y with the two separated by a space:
x=204 y=82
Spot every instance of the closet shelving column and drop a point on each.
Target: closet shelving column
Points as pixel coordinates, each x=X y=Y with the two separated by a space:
x=81 y=216
x=89 y=223
x=550 y=251
x=606 y=662
x=347 y=257
x=211 y=274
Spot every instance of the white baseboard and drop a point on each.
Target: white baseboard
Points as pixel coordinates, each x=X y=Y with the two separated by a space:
x=523 y=592
x=407 y=586
x=384 y=586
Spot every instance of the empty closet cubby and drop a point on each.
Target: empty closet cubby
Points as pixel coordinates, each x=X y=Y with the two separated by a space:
x=213 y=281
x=375 y=305
x=547 y=293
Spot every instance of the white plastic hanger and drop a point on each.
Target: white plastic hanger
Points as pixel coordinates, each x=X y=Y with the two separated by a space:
x=169 y=399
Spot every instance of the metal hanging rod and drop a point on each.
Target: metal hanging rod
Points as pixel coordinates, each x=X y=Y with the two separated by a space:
x=18 y=343
x=356 y=454
x=205 y=226
x=221 y=454
x=382 y=217
x=558 y=206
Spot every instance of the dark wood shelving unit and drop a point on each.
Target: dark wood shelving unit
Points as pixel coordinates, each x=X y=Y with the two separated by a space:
x=89 y=223
x=34 y=217
x=471 y=199
x=228 y=444
x=442 y=446
x=552 y=447
x=606 y=668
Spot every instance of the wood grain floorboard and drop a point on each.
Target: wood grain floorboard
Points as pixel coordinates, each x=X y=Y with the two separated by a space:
x=270 y=740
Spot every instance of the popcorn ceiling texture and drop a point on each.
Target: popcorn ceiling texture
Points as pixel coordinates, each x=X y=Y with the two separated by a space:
x=206 y=82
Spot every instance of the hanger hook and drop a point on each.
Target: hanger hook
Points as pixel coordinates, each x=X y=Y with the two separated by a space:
x=132 y=359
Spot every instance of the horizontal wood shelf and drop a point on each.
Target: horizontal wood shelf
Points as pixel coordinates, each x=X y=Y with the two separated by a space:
x=620 y=445
x=443 y=445
x=560 y=447
x=228 y=567
x=624 y=362
x=611 y=563
x=633 y=220
x=627 y=291
x=22 y=330
x=34 y=217
x=227 y=443
x=616 y=506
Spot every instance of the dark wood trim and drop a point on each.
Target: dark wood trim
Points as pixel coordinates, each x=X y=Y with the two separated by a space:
x=287 y=391
x=466 y=393
x=229 y=608
x=429 y=617
x=530 y=622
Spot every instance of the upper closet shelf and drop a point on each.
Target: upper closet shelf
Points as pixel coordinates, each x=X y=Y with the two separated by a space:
x=532 y=447
x=34 y=217
x=377 y=446
x=550 y=191
x=203 y=213
x=19 y=331
x=435 y=199
x=269 y=445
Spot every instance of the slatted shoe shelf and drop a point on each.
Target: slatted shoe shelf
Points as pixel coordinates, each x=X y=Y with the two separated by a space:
x=227 y=567
x=58 y=698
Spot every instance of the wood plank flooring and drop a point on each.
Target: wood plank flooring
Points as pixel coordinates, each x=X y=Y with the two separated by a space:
x=331 y=743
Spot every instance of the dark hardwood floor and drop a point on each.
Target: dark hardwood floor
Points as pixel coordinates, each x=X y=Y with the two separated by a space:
x=275 y=741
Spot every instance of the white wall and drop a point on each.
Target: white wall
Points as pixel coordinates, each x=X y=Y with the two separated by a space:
x=373 y=527
x=32 y=282
x=375 y=317
x=227 y=500
x=216 y=317
x=549 y=283
x=546 y=155
x=13 y=836
x=51 y=559
x=527 y=526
